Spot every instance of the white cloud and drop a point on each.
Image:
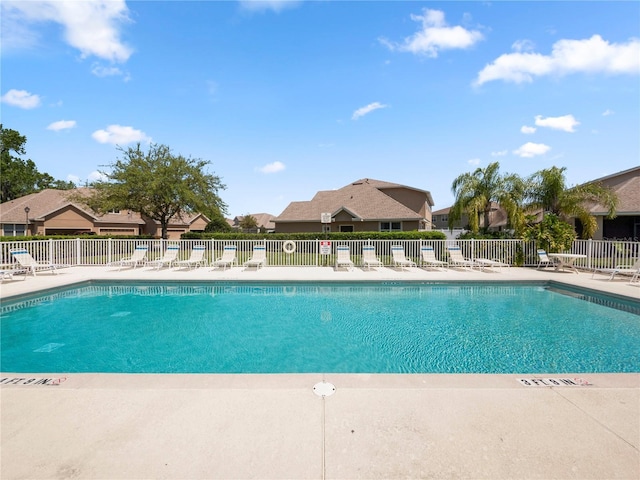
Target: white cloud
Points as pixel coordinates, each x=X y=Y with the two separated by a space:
x=264 y=5
x=592 y=55
x=97 y=176
x=566 y=123
x=529 y=150
x=21 y=99
x=500 y=153
x=607 y=112
x=93 y=27
x=272 y=167
x=527 y=130
x=119 y=135
x=111 y=71
x=361 y=112
x=523 y=46
x=474 y=161
x=435 y=36
x=73 y=178
x=61 y=125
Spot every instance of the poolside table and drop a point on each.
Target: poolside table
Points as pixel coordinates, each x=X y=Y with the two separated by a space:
x=567 y=260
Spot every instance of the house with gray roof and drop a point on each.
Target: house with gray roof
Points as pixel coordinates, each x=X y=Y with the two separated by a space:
x=626 y=225
x=365 y=205
x=53 y=212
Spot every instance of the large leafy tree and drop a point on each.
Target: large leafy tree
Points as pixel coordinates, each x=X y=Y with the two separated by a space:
x=548 y=191
x=476 y=191
x=20 y=177
x=159 y=185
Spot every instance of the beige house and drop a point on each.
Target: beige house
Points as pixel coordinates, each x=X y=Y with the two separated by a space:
x=50 y=212
x=497 y=219
x=365 y=205
x=626 y=225
x=264 y=221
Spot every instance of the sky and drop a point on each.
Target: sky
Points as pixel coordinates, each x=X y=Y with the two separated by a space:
x=287 y=98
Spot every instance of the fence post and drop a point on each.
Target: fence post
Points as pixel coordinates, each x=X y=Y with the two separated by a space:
x=589 y=253
x=109 y=248
x=78 y=256
x=50 y=248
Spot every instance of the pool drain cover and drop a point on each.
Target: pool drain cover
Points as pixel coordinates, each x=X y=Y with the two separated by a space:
x=324 y=389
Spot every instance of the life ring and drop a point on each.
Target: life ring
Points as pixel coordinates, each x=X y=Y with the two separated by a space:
x=289 y=246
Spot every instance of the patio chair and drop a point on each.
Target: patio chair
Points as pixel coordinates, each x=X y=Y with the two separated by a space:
x=486 y=263
x=138 y=257
x=259 y=257
x=544 y=259
x=228 y=258
x=26 y=261
x=428 y=257
x=399 y=258
x=633 y=270
x=343 y=258
x=168 y=259
x=369 y=258
x=456 y=259
x=196 y=258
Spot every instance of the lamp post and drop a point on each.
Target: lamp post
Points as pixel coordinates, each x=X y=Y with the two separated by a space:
x=26 y=215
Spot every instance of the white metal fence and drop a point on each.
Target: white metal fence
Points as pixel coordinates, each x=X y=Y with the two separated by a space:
x=311 y=253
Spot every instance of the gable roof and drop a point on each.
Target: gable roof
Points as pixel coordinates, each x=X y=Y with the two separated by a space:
x=626 y=185
x=363 y=199
x=50 y=201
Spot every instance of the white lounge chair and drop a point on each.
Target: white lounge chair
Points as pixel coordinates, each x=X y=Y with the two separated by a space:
x=259 y=257
x=168 y=259
x=399 y=258
x=343 y=257
x=456 y=259
x=544 y=260
x=428 y=257
x=633 y=270
x=228 y=258
x=369 y=258
x=138 y=257
x=196 y=258
x=486 y=263
x=26 y=261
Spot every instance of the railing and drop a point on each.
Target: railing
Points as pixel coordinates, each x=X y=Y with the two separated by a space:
x=315 y=253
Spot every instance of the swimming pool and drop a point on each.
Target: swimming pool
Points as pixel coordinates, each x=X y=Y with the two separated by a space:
x=228 y=327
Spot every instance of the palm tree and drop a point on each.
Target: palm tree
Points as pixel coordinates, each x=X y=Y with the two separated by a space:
x=548 y=191
x=475 y=192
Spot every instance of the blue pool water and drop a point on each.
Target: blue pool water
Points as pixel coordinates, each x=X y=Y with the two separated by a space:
x=288 y=328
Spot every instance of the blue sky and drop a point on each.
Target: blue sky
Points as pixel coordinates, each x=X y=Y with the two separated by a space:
x=286 y=98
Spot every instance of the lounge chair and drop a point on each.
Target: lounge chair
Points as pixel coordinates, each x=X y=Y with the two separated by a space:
x=369 y=258
x=168 y=259
x=8 y=274
x=428 y=257
x=343 y=258
x=486 y=263
x=138 y=257
x=456 y=259
x=544 y=260
x=259 y=257
x=196 y=258
x=399 y=258
x=633 y=270
x=228 y=258
x=26 y=261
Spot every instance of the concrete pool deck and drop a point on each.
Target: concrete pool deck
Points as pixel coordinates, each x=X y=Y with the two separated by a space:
x=586 y=426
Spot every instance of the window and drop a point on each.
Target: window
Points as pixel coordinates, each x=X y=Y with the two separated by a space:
x=390 y=226
x=346 y=228
x=13 y=230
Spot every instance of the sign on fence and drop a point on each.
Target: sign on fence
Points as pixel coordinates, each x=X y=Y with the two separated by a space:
x=325 y=247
